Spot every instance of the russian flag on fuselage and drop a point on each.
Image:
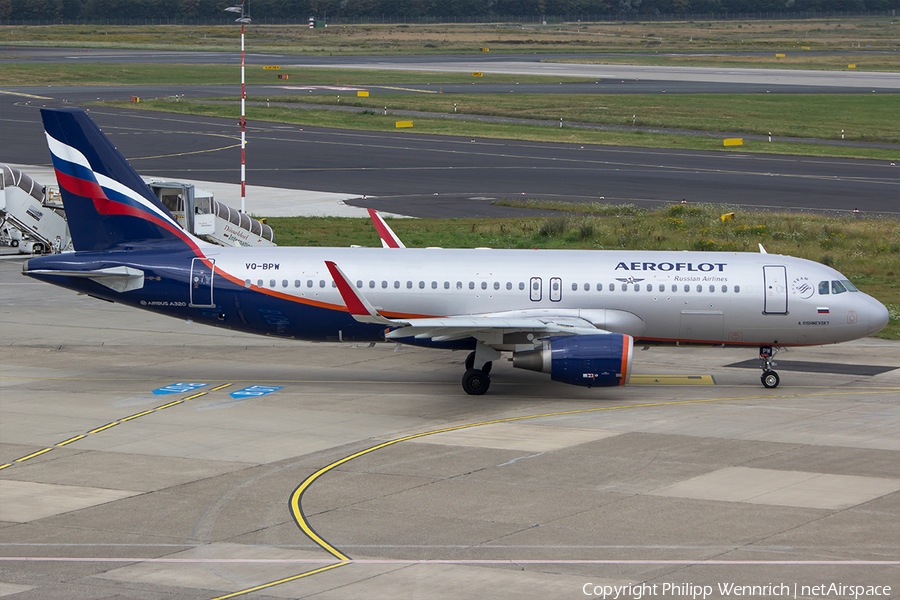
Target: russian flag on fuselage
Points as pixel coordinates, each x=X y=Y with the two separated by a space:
x=107 y=203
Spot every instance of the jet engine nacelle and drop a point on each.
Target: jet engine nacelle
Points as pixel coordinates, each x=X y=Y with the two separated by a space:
x=600 y=360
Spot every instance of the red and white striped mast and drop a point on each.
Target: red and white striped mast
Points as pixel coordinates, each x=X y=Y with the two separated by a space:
x=244 y=18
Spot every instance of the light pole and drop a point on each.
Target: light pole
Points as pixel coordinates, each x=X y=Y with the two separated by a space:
x=244 y=18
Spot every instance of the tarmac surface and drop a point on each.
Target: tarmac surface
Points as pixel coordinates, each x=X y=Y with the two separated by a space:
x=145 y=457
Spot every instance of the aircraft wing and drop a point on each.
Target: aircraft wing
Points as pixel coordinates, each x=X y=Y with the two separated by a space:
x=488 y=328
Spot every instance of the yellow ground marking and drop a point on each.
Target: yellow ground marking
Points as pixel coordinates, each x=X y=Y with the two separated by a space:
x=108 y=425
x=387 y=87
x=186 y=153
x=70 y=440
x=25 y=95
x=296 y=497
x=32 y=455
x=672 y=380
x=221 y=387
x=279 y=582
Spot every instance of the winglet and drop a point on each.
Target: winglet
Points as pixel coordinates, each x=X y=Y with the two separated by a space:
x=762 y=250
x=389 y=239
x=357 y=305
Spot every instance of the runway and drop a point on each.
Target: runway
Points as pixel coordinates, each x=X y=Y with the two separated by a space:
x=141 y=456
x=442 y=176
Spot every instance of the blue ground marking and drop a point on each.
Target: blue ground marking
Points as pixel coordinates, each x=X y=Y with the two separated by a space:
x=179 y=388
x=255 y=390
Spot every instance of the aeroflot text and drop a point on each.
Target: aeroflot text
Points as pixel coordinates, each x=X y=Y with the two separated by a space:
x=695 y=592
x=667 y=266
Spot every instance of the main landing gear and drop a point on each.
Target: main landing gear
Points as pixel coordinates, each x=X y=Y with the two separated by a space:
x=476 y=381
x=769 y=377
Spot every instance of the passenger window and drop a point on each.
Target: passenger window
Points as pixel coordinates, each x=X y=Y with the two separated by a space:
x=555 y=286
x=496 y=285
x=649 y=287
x=471 y=285
x=536 y=286
x=284 y=283
x=599 y=287
x=662 y=287
x=522 y=285
x=383 y=284
x=421 y=285
x=409 y=285
x=712 y=289
x=296 y=283
x=824 y=288
x=674 y=287
x=837 y=287
x=587 y=287
x=724 y=289
x=333 y=284
x=624 y=287
x=687 y=288
x=371 y=284
x=484 y=285
x=321 y=283
x=446 y=285
x=259 y=282
x=737 y=289
x=309 y=283
x=459 y=285
x=637 y=287
x=574 y=287
x=699 y=288
x=434 y=285
x=612 y=287
x=509 y=285
x=396 y=285
x=359 y=283
x=271 y=283
x=247 y=283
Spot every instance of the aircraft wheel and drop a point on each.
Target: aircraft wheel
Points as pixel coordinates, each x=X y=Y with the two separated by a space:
x=470 y=361
x=475 y=382
x=487 y=367
x=770 y=379
x=14 y=243
x=37 y=249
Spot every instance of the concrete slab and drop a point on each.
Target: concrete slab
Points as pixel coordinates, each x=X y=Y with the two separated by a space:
x=783 y=488
x=23 y=501
x=519 y=436
x=8 y=589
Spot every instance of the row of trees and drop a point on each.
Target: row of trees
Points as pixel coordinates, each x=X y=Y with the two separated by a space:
x=299 y=10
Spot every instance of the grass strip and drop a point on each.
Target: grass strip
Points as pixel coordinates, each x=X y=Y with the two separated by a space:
x=867 y=250
x=59 y=74
x=372 y=120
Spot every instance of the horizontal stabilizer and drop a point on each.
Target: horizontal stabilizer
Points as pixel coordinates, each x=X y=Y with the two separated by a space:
x=120 y=279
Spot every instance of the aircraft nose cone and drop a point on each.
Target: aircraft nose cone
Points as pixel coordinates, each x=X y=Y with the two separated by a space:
x=878 y=317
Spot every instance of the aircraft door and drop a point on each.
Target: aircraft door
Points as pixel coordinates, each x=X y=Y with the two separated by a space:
x=536 y=289
x=776 y=290
x=202 y=282
x=555 y=289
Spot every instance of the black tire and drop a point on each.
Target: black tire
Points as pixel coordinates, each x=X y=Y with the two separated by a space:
x=470 y=361
x=770 y=379
x=487 y=367
x=475 y=382
x=14 y=243
x=37 y=249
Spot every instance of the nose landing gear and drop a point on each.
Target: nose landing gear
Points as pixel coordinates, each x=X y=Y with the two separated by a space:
x=769 y=378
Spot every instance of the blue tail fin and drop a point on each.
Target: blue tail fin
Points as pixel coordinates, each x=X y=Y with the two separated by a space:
x=107 y=203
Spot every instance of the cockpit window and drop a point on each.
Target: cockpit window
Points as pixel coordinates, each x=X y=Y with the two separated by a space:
x=837 y=287
x=850 y=287
x=824 y=288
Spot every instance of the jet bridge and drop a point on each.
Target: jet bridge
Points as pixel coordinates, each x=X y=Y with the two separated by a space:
x=199 y=213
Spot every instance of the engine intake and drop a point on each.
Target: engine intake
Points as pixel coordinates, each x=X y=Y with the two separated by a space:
x=601 y=360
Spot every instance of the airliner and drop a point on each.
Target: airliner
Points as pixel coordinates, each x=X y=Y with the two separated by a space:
x=573 y=314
